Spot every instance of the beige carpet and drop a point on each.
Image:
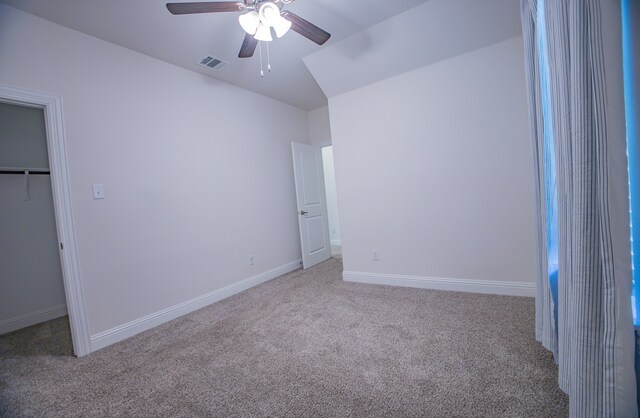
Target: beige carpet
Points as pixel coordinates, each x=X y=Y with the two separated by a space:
x=305 y=344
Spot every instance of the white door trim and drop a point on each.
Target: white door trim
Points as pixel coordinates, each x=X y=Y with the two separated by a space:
x=52 y=106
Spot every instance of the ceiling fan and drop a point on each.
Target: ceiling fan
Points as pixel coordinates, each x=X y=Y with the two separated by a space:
x=261 y=17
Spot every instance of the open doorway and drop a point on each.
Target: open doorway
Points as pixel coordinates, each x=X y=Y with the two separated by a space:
x=332 y=201
x=317 y=206
x=50 y=183
x=31 y=283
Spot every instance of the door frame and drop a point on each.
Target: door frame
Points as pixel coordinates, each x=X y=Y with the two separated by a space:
x=56 y=144
x=322 y=147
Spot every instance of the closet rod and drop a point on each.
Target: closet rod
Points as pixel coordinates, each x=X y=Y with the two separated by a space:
x=31 y=172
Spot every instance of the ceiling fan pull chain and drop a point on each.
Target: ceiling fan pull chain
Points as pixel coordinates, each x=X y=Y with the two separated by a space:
x=268 y=59
x=260 y=49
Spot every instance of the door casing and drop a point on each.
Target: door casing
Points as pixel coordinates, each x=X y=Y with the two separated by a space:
x=54 y=121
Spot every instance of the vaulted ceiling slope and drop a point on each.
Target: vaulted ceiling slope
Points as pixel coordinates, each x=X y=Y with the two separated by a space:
x=428 y=33
x=147 y=27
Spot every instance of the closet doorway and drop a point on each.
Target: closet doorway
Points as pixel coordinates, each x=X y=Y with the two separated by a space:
x=31 y=285
x=39 y=273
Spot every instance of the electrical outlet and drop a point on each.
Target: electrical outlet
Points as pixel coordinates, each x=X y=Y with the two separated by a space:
x=375 y=255
x=98 y=191
x=251 y=261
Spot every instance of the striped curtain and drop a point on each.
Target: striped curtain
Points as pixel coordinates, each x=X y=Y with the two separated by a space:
x=593 y=342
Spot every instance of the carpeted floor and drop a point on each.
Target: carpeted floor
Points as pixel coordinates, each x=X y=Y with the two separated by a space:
x=305 y=344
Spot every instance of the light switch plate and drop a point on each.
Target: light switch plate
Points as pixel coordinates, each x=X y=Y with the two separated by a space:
x=98 y=191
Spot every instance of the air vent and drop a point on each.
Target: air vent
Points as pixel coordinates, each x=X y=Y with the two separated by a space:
x=213 y=63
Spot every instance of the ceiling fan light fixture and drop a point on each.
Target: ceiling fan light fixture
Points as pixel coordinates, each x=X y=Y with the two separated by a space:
x=263 y=33
x=249 y=22
x=257 y=17
x=269 y=14
x=281 y=27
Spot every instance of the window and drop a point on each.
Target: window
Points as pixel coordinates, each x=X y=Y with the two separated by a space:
x=630 y=68
x=550 y=179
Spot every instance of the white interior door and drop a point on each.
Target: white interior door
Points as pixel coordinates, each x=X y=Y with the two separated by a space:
x=312 y=205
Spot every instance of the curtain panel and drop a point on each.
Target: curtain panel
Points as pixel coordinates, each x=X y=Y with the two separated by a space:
x=593 y=342
x=545 y=329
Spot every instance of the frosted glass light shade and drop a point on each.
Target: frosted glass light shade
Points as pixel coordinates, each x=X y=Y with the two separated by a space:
x=249 y=22
x=263 y=33
x=269 y=14
x=281 y=27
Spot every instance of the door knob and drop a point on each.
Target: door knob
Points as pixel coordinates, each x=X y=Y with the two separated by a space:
x=303 y=212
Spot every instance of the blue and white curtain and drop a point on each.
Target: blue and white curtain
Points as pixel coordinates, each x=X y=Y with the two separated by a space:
x=574 y=77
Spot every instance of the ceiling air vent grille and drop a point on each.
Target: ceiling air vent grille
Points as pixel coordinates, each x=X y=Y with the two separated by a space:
x=213 y=63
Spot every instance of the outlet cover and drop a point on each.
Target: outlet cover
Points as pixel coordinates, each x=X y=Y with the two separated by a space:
x=375 y=255
x=98 y=191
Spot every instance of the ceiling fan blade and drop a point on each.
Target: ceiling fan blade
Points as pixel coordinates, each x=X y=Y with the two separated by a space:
x=205 y=7
x=306 y=29
x=248 y=47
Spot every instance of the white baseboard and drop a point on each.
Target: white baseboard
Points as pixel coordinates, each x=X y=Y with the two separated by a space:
x=132 y=328
x=26 y=320
x=436 y=283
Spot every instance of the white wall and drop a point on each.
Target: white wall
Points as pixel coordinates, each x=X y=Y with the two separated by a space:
x=319 y=126
x=434 y=171
x=332 y=195
x=197 y=173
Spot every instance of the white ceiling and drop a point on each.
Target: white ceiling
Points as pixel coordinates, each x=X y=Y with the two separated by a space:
x=428 y=33
x=147 y=27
